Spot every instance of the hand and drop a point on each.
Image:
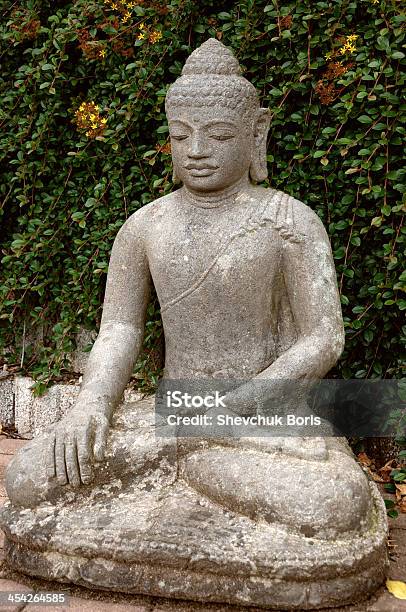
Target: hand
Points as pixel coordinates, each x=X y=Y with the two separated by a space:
x=76 y=442
x=241 y=400
x=265 y=396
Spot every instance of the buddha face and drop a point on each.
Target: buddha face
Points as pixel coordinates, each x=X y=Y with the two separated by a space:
x=211 y=147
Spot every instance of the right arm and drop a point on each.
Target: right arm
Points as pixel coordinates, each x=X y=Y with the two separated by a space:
x=80 y=438
x=113 y=355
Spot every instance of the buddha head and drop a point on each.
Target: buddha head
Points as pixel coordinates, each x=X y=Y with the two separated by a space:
x=218 y=130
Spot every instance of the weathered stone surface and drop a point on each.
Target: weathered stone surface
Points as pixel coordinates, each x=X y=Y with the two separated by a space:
x=127 y=529
x=34 y=414
x=24 y=401
x=6 y=402
x=52 y=406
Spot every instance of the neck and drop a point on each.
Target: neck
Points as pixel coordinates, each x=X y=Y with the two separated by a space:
x=214 y=199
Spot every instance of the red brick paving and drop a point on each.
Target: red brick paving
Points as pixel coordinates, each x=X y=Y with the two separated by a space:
x=76 y=604
x=13 y=587
x=8 y=446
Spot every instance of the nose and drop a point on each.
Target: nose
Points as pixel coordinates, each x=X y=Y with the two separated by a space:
x=198 y=147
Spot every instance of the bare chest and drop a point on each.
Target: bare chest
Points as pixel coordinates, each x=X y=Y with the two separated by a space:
x=224 y=257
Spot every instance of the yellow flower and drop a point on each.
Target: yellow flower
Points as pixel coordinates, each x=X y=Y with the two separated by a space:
x=374 y=1
x=352 y=37
x=140 y=36
x=142 y=26
x=92 y=117
x=103 y=120
x=328 y=55
x=94 y=125
x=155 y=36
x=88 y=133
x=102 y=53
x=351 y=48
x=342 y=51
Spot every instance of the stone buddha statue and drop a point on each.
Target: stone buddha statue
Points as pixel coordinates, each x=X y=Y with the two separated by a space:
x=247 y=289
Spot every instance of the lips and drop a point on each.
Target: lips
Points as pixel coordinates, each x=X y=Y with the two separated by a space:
x=195 y=170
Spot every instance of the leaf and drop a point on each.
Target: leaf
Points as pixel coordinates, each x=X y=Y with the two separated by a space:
x=396 y=588
x=364 y=119
x=339 y=253
x=393 y=514
x=385 y=473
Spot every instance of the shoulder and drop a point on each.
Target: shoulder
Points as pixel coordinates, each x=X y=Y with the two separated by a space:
x=305 y=219
x=295 y=221
x=144 y=219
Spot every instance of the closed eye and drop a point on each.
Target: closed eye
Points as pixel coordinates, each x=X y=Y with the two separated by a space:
x=179 y=136
x=228 y=136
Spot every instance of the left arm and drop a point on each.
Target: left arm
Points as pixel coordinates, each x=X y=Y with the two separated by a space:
x=311 y=284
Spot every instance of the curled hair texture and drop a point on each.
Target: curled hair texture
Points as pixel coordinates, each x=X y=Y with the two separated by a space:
x=212 y=76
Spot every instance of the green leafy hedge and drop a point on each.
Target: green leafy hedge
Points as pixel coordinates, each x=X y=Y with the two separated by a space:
x=84 y=143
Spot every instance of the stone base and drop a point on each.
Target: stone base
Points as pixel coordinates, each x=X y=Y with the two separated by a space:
x=155 y=535
x=171 y=543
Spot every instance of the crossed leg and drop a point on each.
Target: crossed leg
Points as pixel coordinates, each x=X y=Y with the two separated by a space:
x=322 y=498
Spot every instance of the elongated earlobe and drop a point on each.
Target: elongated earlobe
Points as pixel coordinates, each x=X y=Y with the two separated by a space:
x=258 y=168
x=175 y=179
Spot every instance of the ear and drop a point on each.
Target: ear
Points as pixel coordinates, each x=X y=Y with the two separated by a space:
x=258 y=168
x=175 y=179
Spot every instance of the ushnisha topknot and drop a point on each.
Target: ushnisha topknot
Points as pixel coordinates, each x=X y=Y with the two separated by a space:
x=212 y=76
x=212 y=57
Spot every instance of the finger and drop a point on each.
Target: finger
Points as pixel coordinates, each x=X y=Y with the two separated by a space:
x=100 y=440
x=50 y=457
x=84 y=456
x=71 y=460
x=60 y=466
